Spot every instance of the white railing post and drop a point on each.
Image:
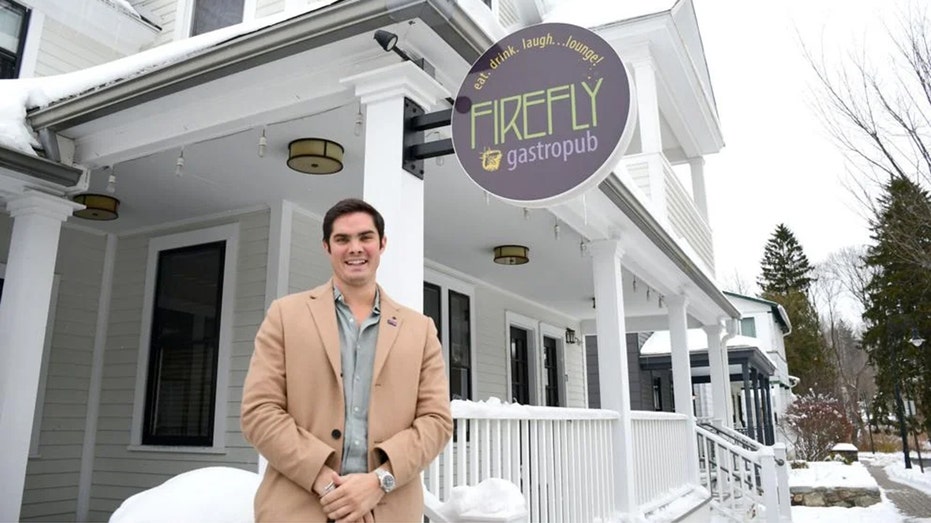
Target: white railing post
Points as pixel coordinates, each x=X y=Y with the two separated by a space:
x=782 y=479
x=768 y=483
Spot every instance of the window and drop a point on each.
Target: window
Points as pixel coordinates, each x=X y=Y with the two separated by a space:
x=14 y=19
x=657 y=394
x=184 y=346
x=455 y=334
x=185 y=342
x=209 y=15
x=748 y=327
x=550 y=372
x=460 y=346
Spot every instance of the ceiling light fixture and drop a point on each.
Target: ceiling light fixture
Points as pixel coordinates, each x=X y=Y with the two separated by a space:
x=315 y=156
x=100 y=207
x=511 y=254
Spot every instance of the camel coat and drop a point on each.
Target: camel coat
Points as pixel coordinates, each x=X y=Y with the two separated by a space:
x=293 y=408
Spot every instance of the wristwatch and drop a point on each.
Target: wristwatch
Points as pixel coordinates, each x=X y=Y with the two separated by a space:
x=385 y=480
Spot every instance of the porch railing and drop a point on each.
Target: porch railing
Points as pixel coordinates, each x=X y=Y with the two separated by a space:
x=560 y=458
x=745 y=484
x=660 y=440
x=657 y=181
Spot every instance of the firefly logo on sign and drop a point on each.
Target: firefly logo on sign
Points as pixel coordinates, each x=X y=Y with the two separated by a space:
x=541 y=113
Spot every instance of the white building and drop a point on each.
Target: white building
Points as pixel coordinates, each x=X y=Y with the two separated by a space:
x=124 y=343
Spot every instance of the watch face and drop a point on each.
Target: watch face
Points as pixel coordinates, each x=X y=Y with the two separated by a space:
x=387 y=482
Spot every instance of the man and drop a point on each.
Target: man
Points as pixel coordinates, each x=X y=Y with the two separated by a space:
x=346 y=395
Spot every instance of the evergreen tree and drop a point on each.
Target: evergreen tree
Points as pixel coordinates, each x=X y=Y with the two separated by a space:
x=899 y=296
x=785 y=266
x=786 y=280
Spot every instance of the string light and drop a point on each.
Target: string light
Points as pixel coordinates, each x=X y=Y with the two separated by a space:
x=357 y=128
x=526 y=213
x=179 y=165
x=263 y=143
x=556 y=229
x=660 y=301
x=487 y=198
x=111 y=181
x=634 y=284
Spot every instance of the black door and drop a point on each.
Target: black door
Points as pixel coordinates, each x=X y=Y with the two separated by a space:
x=520 y=367
x=551 y=372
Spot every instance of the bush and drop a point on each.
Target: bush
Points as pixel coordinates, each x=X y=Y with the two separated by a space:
x=798 y=464
x=816 y=422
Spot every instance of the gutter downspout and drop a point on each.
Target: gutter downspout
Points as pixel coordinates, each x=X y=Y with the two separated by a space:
x=730 y=326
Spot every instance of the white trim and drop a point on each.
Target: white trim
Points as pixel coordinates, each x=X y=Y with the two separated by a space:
x=249 y=10
x=278 y=265
x=450 y=283
x=184 y=17
x=514 y=319
x=195 y=220
x=230 y=234
x=43 y=370
x=93 y=396
x=552 y=331
x=30 y=57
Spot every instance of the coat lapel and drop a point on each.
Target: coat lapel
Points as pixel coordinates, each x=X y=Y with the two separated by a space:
x=388 y=327
x=323 y=311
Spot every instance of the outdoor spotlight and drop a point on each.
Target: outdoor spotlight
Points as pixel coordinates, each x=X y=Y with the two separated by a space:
x=386 y=40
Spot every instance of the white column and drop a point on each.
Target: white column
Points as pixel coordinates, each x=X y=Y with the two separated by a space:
x=720 y=378
x=397 y=194
x=651 y=141
x=697 y=167
x=612 y=366
x=682 y=372
x=24 y=310
x=730 y=327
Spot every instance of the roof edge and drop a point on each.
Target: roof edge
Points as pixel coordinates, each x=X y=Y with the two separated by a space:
x=303 y=32
x=621 y=196
x=40 y=168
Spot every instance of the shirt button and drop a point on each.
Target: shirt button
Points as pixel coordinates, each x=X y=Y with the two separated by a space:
x=356 y=378
x=355 y=409
x=336 y=434
x=358 y=443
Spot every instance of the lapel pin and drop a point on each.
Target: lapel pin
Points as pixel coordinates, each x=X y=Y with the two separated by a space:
x=393 y=322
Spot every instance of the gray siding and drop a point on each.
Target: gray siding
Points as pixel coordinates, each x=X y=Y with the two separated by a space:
x=491 y=364
x=118 y=471
x=50 y=490
x=164 y=13
x=62 y=50
x=641 y=382
x=309 y=266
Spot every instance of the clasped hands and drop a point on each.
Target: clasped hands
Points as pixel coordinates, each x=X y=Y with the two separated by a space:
x=349 y=498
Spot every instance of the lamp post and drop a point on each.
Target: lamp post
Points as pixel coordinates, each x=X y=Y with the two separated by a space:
x=917 y=340
x=899 y=404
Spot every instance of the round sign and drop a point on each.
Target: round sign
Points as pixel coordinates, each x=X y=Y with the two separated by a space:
x=543 y=115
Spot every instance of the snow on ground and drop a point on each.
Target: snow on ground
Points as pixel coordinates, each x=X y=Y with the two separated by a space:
x=884 y=512
x=832 y=474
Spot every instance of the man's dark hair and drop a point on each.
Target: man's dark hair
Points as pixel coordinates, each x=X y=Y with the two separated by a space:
x=349 y=206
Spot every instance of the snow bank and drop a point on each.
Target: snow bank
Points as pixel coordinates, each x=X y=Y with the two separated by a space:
x=912 y=477
x=218 y=494
x=832 y=474
x=493 y=499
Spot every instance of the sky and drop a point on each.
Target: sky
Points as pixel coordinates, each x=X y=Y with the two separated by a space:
x=779 y=165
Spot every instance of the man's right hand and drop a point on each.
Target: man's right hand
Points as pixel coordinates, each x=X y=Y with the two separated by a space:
x=326 y=479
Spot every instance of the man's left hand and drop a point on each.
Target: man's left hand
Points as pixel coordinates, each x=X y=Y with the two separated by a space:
x=354 y=497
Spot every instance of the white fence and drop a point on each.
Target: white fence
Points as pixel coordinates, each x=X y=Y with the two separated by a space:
x=560 y=458
x=661 y=441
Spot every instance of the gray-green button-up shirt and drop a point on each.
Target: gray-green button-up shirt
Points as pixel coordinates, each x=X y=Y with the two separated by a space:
x=357 y=357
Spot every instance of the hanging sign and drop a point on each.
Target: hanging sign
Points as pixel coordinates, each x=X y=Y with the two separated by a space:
x=543 y=115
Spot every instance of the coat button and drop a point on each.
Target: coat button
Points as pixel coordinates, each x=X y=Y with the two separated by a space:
x=336 y=434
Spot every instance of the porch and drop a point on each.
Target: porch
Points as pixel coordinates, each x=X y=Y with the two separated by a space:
x=560 y=458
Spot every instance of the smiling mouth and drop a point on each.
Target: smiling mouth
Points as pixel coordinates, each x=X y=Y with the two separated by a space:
x=356 y=263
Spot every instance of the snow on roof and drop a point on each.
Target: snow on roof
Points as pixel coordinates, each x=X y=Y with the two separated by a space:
x=21 y=95
x=125 y=6
x=658 y=342
x=595 y=13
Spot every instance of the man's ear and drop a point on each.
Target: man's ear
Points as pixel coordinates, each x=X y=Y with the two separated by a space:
x=384 y=242
x=326 y=246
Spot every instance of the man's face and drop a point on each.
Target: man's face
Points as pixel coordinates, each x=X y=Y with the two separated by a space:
x=354 y=250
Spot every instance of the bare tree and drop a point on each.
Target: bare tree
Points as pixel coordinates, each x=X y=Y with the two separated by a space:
x=881 y=120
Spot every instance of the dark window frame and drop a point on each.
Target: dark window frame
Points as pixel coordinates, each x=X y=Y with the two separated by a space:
x=195 y=19
x=154 y=353
x=467 y=368
x=551 y=395
x=17 y=58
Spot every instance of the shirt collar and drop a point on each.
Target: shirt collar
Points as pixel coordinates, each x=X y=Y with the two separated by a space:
x=376 y=308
